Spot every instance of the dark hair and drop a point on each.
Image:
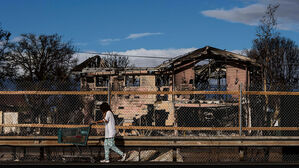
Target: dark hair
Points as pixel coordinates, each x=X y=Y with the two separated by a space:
x=104 y=107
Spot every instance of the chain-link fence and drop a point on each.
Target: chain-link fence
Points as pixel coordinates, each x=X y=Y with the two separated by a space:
x=151 y=110
x=270 y=113
x=143 y=110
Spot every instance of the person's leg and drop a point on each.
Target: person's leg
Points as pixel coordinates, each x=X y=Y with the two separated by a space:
x=114 y=148
x=107 y=149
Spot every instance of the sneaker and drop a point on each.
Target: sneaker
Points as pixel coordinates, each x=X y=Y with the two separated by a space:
x=104 y=161
x=123 y=158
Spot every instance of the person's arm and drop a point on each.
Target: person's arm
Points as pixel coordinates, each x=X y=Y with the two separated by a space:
x=104 y=120
x=100 y=121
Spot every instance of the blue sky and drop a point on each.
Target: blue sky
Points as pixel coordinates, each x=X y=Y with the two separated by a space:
x=147 y=27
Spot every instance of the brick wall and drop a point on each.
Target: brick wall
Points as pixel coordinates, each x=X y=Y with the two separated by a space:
x=182 y=79
x=235 y=76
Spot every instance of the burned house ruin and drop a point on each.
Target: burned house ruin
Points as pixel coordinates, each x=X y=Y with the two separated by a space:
x=206 y=68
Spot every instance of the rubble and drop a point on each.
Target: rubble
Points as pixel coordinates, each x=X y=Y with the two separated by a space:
x=168 y=157
x=145 y=155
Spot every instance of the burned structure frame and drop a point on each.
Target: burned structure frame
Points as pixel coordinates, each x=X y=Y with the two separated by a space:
x=207 y=68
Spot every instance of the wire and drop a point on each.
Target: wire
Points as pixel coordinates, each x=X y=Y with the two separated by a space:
x=122 y=55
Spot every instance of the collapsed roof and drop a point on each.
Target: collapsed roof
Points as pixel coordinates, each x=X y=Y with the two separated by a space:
x=207 y=52
x=92 y=62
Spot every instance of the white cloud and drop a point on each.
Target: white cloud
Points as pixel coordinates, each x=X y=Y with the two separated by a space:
x=249 y=15
x=139 y=35
x=81 y=44
x=16 y=39
x=108 y=41
x=287 y=14
x=237 y=51
x=131 y=36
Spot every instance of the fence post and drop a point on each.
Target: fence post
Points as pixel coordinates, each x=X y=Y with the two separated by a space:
x=240 y=110
x=109 y=92
x=175 y=150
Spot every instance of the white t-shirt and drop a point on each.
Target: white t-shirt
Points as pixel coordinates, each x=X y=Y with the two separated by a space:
x=110 y=125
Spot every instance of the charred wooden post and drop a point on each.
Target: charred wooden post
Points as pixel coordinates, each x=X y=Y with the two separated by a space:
x=240 y=112
x=109 y=91
x=175 y=113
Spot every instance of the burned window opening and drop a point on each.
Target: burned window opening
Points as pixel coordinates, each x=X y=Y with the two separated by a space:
x=164 y=97
x=211 y=76
x=102 y=81
x=132 y=80
x=162 y=80
x=160 y=117
x=89 y=80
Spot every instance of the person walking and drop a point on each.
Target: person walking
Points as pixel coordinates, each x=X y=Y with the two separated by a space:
x=110 y=132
